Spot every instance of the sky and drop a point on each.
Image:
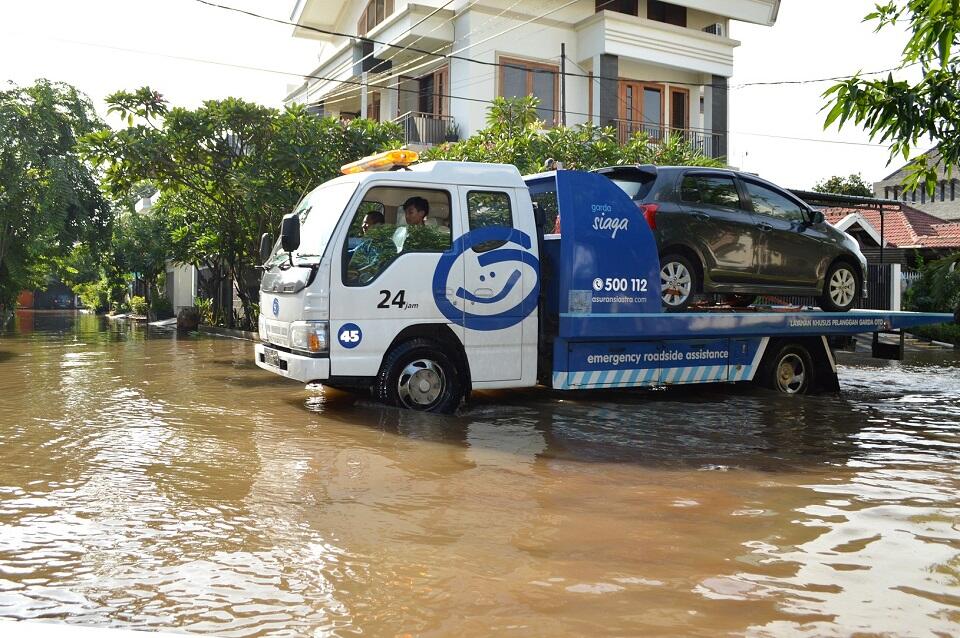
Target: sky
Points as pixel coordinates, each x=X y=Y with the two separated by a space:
x=101 y=46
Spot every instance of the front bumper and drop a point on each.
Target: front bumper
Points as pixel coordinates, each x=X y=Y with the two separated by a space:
x=294 y=366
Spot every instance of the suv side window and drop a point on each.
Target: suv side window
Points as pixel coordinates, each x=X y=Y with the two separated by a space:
x=486 y=209
x=772 y=204
x=712 y=190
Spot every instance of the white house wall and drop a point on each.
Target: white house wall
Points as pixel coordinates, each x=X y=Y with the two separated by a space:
x=532 y=42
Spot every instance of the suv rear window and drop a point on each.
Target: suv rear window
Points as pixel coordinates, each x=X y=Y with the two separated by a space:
x=635 y=184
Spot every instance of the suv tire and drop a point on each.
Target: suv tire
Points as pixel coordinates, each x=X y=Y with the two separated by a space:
x=679 y=282
x=840 y=287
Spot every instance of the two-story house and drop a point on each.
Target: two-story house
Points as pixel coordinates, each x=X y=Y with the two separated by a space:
x=643 y=65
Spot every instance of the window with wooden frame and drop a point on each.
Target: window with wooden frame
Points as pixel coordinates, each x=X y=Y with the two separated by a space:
x=630 y=7
x=373 y=14
x=641 y=107
x=519 y=78
x=679 y=108
x=433 y=89
x=666 y=12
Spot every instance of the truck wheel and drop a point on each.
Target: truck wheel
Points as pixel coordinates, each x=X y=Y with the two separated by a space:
x=678 y=282
x=418 y=375
x=840 y=288
x=789 y=371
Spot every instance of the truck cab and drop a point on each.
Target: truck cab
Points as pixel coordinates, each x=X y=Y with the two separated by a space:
x=420 y=308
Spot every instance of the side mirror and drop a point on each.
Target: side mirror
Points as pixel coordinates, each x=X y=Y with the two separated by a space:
x=816 y=217
x=290 y=232
x=266 y=247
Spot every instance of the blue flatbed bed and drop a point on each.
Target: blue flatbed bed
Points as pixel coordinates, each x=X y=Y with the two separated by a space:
x=602 y=312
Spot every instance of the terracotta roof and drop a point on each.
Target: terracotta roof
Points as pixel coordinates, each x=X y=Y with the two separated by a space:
x=904 y=227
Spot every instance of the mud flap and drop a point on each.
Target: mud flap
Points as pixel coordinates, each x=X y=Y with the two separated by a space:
x=825 y=368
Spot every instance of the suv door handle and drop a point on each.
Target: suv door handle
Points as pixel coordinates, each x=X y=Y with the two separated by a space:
x=765 y=227
x=701 y=216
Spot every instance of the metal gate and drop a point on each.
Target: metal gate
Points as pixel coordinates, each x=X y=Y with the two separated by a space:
x=878 y=287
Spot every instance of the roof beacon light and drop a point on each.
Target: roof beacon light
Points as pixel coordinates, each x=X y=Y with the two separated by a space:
x=381 y=162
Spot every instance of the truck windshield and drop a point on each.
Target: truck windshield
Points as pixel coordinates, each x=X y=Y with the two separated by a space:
x=319 y=213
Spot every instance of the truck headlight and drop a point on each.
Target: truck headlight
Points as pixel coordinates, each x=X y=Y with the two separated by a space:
x=309 y=336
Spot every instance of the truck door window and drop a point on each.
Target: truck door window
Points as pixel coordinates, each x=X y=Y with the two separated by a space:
x=488 y=208
x=379 y=232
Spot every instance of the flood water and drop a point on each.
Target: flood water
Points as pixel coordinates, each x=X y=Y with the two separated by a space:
x=155 y=481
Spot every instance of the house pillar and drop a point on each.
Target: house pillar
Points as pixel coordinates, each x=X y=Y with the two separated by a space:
x=389 y=102
x=896 y=287
x=607 y=94
x=718 y=115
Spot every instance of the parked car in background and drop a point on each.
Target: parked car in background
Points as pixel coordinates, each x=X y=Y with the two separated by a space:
x=733 y=233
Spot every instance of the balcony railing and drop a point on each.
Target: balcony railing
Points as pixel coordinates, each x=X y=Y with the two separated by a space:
x=425 y=129
x=706 y=142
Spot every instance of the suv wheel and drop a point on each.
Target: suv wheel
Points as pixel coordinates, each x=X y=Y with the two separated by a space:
x=678 y=282
x=840 y=288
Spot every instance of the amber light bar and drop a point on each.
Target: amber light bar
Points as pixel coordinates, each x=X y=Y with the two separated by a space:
x=381 y=162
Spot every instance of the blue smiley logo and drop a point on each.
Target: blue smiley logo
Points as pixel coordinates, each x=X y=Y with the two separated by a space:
x=276 y=306
x=506 y=318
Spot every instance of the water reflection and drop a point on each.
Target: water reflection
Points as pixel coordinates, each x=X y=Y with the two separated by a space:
x=155 y=480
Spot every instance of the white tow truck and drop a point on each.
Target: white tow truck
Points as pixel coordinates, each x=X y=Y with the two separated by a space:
x=482 y=293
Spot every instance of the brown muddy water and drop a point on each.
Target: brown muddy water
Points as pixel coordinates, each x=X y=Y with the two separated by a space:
x=155 y=481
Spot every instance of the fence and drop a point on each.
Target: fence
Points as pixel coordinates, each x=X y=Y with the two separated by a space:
x=704 y=141
x=424 y=128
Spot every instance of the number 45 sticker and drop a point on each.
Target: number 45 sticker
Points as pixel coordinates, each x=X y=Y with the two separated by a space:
x=349 y=335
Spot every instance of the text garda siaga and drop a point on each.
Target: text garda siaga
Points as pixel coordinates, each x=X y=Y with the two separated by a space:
x=602 y=222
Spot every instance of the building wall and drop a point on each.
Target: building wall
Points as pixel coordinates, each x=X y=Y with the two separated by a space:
x=539 y=41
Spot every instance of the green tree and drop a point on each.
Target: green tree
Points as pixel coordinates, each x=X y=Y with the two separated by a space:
x=904 y=114
x=850 y=185
x=515 y=136
x=227 y=172
x=49 y=199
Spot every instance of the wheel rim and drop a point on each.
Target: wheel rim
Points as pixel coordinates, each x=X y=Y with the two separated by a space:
x=843 y=287
x=675 y=283
x=791 y=374
x=421 y=384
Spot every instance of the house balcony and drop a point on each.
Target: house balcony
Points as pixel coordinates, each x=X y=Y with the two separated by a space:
x=707 y=142
x=657 y=43
x=425 y=129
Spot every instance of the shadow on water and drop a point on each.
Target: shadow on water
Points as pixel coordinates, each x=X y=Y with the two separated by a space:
x=681 y=427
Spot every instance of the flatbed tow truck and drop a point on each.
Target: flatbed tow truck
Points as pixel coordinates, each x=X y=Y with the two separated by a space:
x=504 y=301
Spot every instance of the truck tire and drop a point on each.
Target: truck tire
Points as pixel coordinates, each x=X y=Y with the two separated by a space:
x=789 y=371
x=418 y=375
x=679 y=282
x=840 y=288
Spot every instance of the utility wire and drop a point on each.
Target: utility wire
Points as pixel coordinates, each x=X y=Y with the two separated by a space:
x=454 y=56
x=453 y=97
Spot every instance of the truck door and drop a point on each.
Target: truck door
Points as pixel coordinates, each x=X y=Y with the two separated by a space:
x=497 y=283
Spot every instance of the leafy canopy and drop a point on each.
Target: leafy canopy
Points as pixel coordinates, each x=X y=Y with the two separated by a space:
x=851 y=185
x=903 y=114
x=514 y=135
x=227 y=171
x=49 y=198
